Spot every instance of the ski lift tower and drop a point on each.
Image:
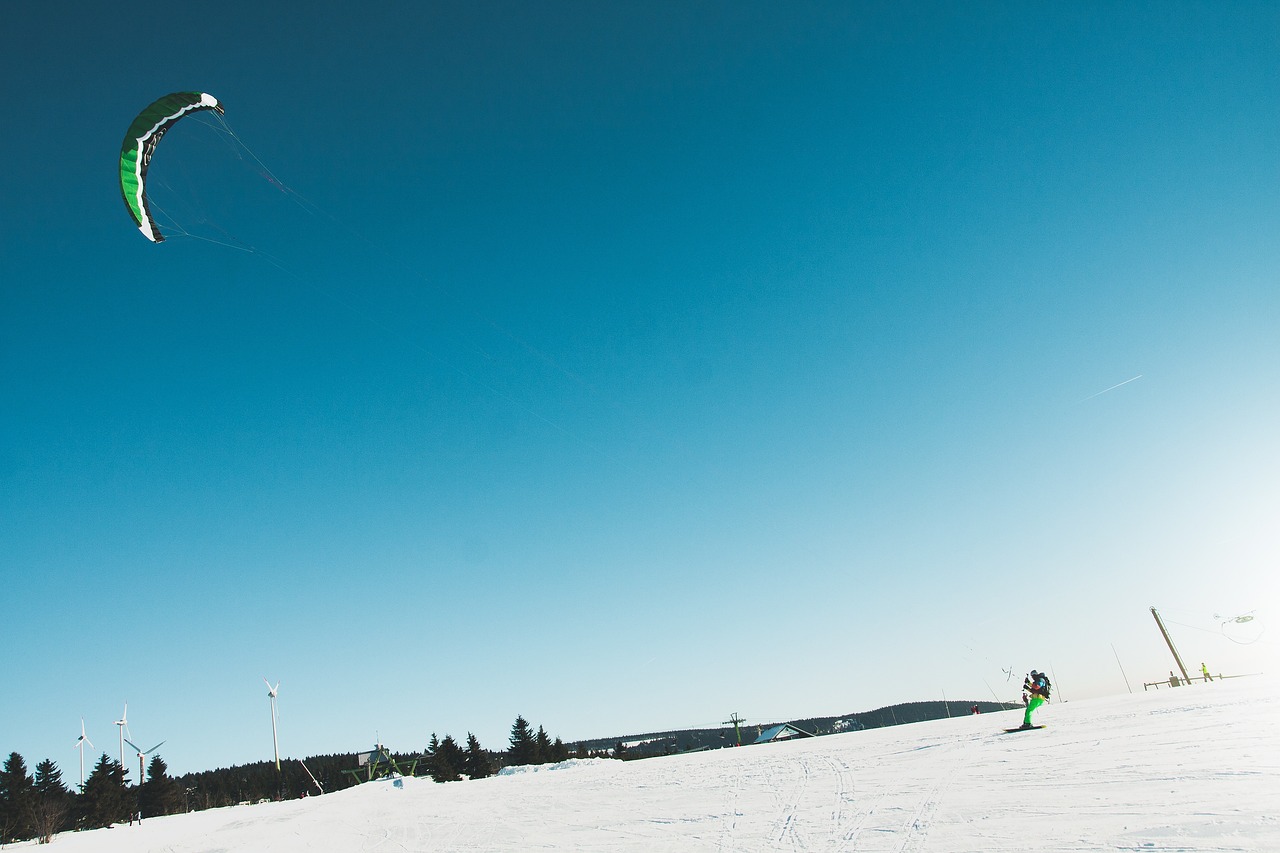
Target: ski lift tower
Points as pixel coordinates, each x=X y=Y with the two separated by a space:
x=736 y=721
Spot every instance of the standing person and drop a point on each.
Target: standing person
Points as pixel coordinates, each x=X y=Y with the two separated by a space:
x=1037 y=686
x=1204 y=670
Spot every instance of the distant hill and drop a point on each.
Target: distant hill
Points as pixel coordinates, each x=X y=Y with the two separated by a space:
x=260 y=780
x=685 y=740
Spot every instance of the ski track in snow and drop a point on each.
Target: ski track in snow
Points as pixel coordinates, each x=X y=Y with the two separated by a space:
x=1192 y=769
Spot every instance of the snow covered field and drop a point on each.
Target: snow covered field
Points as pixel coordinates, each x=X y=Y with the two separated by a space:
x=1190 y=769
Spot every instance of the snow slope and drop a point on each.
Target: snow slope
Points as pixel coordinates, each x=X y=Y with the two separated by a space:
x=1190 y=769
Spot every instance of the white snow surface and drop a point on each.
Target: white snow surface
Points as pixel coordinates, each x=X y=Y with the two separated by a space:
x=1195 y=768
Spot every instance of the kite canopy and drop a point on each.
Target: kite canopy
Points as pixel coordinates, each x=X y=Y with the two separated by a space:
x=140 y=143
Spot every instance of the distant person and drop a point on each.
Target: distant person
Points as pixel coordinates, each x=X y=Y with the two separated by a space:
x=975 y=710
x=1037 y=687
x=1205 y=671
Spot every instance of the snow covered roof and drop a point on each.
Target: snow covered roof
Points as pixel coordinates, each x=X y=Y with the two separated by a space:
x=783 y=731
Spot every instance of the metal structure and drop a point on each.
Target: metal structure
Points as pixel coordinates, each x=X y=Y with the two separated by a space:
x=378 y=763
x=80 y=742
x=736 y=721
x=1169 y=642
x=142 y=754
x=121 y=724
x=275 y=743
x=312 y=775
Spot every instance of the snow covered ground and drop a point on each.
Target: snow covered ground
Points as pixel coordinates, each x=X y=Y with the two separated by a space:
x=1190 y=769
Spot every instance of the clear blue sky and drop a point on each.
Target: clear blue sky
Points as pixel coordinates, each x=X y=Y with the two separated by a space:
x=629 y=365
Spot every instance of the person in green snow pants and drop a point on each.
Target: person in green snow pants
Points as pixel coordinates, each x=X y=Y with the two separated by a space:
x=1037 y=687
x=1035 y=702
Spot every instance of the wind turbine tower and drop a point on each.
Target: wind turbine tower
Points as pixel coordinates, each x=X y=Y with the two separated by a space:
x=142 y=754
x=120 y=724
x=80 y=742
x=275 y=743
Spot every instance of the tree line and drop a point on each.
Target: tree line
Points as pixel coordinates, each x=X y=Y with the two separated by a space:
x=40 y=805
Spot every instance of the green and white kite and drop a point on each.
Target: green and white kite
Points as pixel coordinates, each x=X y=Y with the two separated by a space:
x=140 y=143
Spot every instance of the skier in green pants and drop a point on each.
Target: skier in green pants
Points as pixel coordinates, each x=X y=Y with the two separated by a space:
x=1037 y=687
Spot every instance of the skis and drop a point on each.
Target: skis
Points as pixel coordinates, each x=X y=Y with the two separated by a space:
x=1023 y=729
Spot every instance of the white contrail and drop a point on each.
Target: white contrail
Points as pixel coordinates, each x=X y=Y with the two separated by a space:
x=1112 y=388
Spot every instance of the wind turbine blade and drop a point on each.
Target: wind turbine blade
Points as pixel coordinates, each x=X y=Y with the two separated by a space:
x=132 y=744
x=91 y=746
x=154 y=748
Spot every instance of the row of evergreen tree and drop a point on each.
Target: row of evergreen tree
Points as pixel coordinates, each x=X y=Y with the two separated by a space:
x=39 y=806
x=42 y=805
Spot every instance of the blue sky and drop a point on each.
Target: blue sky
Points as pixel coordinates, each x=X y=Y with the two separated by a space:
x=629 y=365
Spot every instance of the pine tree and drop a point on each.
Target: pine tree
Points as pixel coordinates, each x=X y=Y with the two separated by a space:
x=476 y=764
x=457 y=757
x=106 y=800
x=542 y=746
x=445 y=764
x=559 y=752
x=50 y=802
x=16 y=792
x=159 y=795
x=523 y=747
x=48 y=780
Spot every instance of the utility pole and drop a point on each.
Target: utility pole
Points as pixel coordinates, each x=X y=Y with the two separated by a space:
x=1169 y=642
x=735 y=721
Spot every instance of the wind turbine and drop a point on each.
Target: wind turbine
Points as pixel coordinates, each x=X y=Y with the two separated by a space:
x=120 y=724
x=80 y=742
x=142 y=754
x=275 y=743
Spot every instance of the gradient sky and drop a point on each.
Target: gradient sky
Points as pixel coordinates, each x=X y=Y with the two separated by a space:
x=629 y=365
